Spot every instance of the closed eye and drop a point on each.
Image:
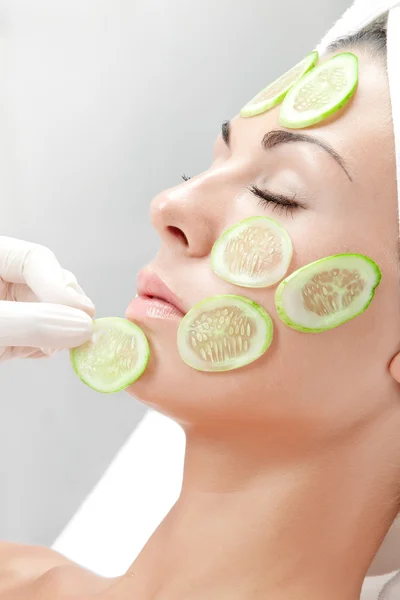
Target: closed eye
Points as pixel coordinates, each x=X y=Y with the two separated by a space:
x=278 y=201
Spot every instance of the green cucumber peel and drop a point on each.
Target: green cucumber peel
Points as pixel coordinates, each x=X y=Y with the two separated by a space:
x=275 y=92
x=115 y=356
x=254 y=253
x=320 y=92
x=223 y=333
x=350 y=281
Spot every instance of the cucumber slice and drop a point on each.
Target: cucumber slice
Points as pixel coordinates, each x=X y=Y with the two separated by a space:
x=114 y=358
x=327 y=292
x=223 y=333
x=274 y=93
x=320 y=92
x=254 y=253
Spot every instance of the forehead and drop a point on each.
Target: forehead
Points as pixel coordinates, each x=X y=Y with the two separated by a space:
x=361 y=132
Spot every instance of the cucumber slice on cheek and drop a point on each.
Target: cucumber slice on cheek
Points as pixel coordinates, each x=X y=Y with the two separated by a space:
x=114 y=358
x=274 y=93
x=254 y=253
x=321 y=92
x=327 y=292
x=223 y=333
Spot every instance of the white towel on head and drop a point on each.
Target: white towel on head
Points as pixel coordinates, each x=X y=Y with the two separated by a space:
x=358 y=16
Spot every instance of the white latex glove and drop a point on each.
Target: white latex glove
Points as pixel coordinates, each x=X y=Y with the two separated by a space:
x=42 y=307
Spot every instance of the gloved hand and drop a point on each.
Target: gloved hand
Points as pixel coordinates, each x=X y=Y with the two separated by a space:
x=42 y=307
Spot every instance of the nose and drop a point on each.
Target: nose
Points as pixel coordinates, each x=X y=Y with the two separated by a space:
x=185 y=218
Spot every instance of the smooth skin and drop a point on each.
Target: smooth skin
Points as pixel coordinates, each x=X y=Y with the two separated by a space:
x=292 y=468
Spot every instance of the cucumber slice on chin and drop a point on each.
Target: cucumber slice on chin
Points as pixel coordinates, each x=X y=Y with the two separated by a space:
x=114 y=358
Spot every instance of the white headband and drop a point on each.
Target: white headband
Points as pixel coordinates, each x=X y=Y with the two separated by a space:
x=360 y=14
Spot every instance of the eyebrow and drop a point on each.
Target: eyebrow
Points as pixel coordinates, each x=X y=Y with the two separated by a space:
x=276 y=137
x=225 y=131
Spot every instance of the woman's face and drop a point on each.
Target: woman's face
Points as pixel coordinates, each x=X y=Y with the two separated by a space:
x=346 y=204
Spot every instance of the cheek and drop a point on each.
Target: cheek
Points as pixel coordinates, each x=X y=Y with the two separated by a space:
x=331 y=378
x=335 y=377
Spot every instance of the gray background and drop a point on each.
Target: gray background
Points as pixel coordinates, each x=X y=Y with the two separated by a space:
x=102 y=104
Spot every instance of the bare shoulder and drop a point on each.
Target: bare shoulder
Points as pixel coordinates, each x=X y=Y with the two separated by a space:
x=34 y=572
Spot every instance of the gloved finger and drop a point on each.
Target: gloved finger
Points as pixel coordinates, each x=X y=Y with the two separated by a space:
x=37 y=266
x=71 y=282
x=13 y=254
x=48 y=280
x=46 y=352
x=26 y=352
x=22 y=352
x=42 y=325
x=39 y=354
x=5 y=354
x=20 y=292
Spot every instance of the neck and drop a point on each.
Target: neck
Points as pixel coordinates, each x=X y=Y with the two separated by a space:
x=268 y=515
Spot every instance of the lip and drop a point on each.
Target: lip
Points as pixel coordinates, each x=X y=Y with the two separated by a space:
x=150 y=285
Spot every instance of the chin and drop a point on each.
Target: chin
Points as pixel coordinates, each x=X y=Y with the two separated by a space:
x=260 y=390
x=192 y=397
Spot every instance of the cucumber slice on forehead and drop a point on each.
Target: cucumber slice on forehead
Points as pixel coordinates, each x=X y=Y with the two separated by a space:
x=275 y=92
x=328 y=292
x=254 y=253
x=223 y=333
x=114 y=358
x=320 y=92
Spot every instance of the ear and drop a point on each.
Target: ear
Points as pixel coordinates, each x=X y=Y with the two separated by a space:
x=394 y=368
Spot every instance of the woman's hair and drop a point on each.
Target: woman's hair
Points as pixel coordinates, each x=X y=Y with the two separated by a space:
x=373 y=38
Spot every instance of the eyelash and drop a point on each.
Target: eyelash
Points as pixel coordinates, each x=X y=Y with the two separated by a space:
x=289 y=205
